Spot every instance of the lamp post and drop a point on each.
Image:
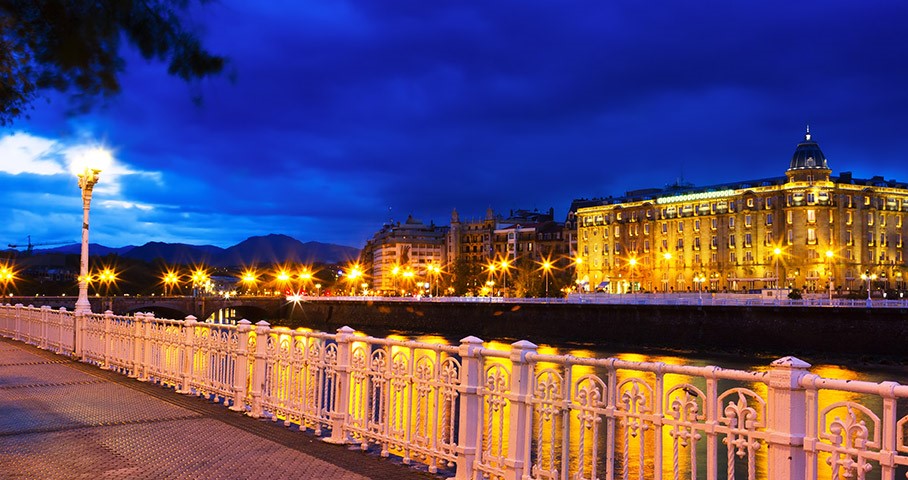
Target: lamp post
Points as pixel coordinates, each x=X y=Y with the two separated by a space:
x=699 y=279
x=776 y=252
x=869 y=277
x=546 y=270
x=87 y=169
x=829 y=256
x=667 y=256
x=7 y=275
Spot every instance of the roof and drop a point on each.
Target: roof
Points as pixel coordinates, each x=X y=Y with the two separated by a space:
x=808 y=155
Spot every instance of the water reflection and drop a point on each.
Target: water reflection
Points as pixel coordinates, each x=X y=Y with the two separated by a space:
x=601 y=420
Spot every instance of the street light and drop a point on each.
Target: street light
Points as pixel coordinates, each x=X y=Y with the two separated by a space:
x=546 y=270
x=505 y=265
x=170 y=279
x=869 y=277
x=667 y=256
x=699 y=279
x=7 y=275
x=249 y=279
x=436 y=271
x=106 y=277
x=352 y=275
x=829 y=257
x=632 y=263
x=87 y=168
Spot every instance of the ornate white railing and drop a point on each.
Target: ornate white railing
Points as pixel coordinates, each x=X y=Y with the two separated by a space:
x=510 y=413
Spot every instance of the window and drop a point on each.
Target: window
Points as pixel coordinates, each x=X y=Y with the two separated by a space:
x=680 y=244
x=680 y=226
x=731 y=222
x=732 y=257
x=697 y=258
x=731 y=241
x=869 y=218
x=789 y=217
x=767 y=240
x=790 y=238
x=604 y=232
x=898 y=240
x=849 y=239
x=769 y=203
x=769 y=219
x=646 y=229
x=586 y=234
x=664 y=227
x=750 y=202
x=697 y=243
x=618 y=216
x=870 y=238
x=811 y=236
x=696 y=225
x=747 y=221
x=617 y=247
x=849 y=201
x=714 y=258
x=848 y=254
x=748 y=256
x=898 y=221
x=883 y=240
x=714 y=223
x=866 y=200
x=848 y=218
x=664 y=244
x=747 y=239
x=811 y=198
x=646 y=245
x=882 y=220
x=811 y=216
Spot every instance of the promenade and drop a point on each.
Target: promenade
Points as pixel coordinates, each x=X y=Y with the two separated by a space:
x=64 y=419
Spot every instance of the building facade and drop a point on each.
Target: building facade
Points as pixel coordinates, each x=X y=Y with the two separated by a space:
x=401 y=254
x=807 y=229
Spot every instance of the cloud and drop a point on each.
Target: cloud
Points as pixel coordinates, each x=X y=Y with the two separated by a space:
x=21 y=152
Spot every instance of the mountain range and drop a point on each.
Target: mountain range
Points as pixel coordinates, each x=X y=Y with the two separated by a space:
x=268 y=249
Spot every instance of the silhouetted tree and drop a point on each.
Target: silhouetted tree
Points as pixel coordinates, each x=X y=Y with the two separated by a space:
x=73 y=46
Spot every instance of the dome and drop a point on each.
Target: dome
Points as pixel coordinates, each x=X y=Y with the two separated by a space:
x=808 y=155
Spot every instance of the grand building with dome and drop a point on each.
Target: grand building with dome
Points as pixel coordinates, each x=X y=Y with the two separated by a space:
x=807 y=229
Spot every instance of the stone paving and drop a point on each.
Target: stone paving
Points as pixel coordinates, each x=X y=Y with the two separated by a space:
x=64 y=419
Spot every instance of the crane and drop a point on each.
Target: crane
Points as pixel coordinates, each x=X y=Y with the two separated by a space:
x=31 y=246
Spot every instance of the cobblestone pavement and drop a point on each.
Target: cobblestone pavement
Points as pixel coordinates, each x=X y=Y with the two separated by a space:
x=64 y=419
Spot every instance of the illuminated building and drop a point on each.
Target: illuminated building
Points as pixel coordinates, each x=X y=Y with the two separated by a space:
x=807 y=229
x=400 y=253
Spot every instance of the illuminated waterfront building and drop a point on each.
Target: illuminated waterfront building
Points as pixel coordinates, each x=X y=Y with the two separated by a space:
x=400 y=254
x=807 y=229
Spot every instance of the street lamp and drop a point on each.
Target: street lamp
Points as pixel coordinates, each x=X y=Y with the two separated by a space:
x=434 y=270
x=170 y=279
x=352 y=275
x=869 y=277
x=829 y=257
x=546 y=270
x=87 y=168
x=667 y=256
x=7 y=275
x=505 y=265
x=699 y=279
x=632 y=263
x=106 y=277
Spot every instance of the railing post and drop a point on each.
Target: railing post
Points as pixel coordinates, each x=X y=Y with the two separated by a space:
x=44 y=330
x=470 y=406
x=342 y=373
x=105 y=341
x=79 y=335
x=138 y=345
x=788 y=418
x=521 y=414
x=188 y=354
x=147 y=320
x=241 y=366
x=258 y=368
x=18 y=322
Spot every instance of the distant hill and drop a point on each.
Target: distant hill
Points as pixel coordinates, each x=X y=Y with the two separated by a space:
x=176 y=253
x=261 y=250
x=94 y=248
x=281 y=248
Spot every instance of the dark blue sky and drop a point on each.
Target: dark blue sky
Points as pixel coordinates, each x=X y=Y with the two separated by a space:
x=339 y=116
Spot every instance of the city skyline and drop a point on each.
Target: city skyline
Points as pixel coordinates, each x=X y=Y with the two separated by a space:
x=336 y=118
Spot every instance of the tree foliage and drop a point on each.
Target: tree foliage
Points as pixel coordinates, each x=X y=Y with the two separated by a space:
x=73 y=46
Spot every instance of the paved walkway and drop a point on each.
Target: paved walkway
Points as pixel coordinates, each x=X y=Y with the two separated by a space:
x=65 y=419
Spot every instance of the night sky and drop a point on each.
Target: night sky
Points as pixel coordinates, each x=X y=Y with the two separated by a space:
x=335 y=117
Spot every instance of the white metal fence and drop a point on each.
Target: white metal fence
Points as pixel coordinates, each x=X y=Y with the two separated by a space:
x=516 y=413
